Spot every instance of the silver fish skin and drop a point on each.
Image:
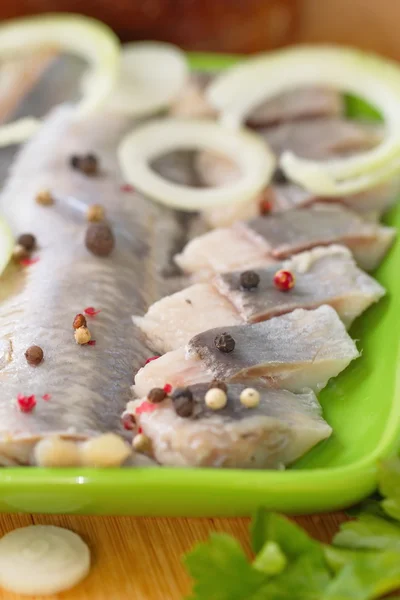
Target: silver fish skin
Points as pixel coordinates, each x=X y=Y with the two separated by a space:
x=88 y=385
x=302 y=349
x=283 y=427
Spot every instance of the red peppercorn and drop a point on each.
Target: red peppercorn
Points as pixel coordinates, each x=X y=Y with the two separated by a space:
x=145 y=407
x=284 y=280
x=126 y=187
x=91 y=311
x=167 y=388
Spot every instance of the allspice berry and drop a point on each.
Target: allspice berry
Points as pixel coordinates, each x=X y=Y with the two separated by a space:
x=141 y=443
x=82 y=335
x=156 y=395
x=79 y=321
x=34 y=355
x=44 y=198
x=99 y=239
x=27 y=240
x=89 y=164
x=95 y=213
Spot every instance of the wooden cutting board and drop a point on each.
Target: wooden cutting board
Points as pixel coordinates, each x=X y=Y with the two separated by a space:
x=140 y=558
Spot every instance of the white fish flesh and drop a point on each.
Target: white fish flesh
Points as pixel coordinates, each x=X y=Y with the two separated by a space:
x=283 y=427
x=324 y=275
x=279 y=236
x=172 y=321
x=294 y=351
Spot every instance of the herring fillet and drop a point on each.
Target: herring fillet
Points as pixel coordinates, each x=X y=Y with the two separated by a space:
x=89 y=385
x=278 y=236
x=275 y=433
x=324 y=275
x=304 y=348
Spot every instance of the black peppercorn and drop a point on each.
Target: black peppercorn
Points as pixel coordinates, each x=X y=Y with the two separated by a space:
x=279 y=176
x=221 y=385
x=99 y=238
x=224 y=342
x=249 y=280
x=156 y=395
x=74 y=161
x=27 y=241
x=183 y=402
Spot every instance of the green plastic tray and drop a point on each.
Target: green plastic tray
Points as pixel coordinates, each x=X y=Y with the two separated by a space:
x=362 y=405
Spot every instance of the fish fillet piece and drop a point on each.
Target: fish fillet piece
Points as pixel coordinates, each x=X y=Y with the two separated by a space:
x=294 y=104
x=88 y=385
x=278 y=236
x=324 y=275
x=220 y=250
x=283 y=427
x=291 y=232
x=293 y=351
x=174 y=320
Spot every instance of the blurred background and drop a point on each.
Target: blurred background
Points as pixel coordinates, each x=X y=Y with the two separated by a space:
x=236 y=25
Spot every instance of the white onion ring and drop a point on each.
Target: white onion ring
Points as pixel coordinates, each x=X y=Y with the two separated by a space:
x=151 y=76
x=238 y=91
x=256 y=162
x=76 y=34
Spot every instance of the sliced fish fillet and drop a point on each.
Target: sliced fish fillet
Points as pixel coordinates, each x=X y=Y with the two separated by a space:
x=283 y=427
x=278 y=236
x=324 y=275
x=294 y=351
x=88 y=385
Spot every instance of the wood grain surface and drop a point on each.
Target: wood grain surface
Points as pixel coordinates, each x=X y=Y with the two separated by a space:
x=140 y=558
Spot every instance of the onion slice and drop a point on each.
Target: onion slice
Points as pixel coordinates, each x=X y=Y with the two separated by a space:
x=255 y=161
x=76 y=34
x=238 y=91
x=6 y=244
x=42 y=559
x=151 y=75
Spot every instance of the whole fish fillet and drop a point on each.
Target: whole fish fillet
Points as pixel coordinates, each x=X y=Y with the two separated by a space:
x=324 y=275
x=283 y=427
x=294 y=351
x=88 y=385
x=279 y=236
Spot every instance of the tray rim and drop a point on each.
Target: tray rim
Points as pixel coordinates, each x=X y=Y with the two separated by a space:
x=267 y=488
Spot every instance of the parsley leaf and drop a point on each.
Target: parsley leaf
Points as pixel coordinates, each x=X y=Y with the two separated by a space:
x=369 y=532
x=221 y=571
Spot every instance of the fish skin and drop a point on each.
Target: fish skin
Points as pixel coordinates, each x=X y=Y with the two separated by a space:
x=275 y=433
x=294 y=351
x=294 y=231
x=89 y=386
